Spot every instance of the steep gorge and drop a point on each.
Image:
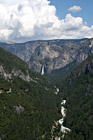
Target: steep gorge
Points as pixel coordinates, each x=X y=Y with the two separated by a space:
x=51 y=54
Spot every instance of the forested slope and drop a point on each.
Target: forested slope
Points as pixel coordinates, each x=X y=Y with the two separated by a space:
x=78 y=91
x=28 y=105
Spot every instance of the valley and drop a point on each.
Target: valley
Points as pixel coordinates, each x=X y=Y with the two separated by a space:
x=51 y=54
x=50 y=95
x=46 y=70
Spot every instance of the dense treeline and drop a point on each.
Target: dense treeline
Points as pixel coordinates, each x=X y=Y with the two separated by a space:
x=78 y=91
x=27 y=109
x=57 y=76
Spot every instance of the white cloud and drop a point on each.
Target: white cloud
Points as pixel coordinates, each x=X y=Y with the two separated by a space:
x=74 y=27
x=75 y=8
x=23 y=20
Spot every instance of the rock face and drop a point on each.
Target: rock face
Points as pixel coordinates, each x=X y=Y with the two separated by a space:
x=18 y=109
x=15 y=73
x=54 y=54
x=6 y=76
x=83 y=69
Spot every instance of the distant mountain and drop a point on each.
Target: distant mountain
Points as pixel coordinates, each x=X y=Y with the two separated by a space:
x=57 y=76
x=77 y=89
x=51 y=55
x=28 y=105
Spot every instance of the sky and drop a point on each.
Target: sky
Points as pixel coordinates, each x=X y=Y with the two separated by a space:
x=62 y=7
x=26 y=20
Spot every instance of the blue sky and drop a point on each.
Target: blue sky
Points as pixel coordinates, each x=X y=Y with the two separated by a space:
x=86 y=13
x=26 y=20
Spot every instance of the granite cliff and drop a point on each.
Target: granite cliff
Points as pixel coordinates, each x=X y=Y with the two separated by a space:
x=51 y=55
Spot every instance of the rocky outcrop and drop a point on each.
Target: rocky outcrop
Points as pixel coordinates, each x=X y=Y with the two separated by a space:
x=15 y=73
x=82 y=69
x=18 y=109
x=6 y=76
x=54 y=54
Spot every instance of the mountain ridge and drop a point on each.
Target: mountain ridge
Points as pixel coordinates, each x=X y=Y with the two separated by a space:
x=35 y=104
x=28 y=105
x=77 y=89
x=52 y=54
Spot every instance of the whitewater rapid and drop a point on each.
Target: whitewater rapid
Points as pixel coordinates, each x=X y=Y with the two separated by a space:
x=61 y=121
x=63 y=129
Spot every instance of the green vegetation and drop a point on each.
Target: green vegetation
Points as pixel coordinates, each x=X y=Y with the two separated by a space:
x=57 y=76
x=28 y=109
x=78 y=91
x=39 y=105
